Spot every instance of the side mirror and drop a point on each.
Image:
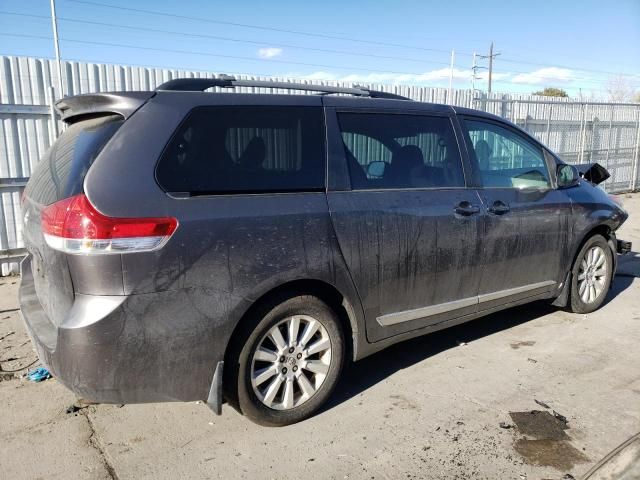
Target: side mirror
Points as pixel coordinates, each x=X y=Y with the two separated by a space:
x=567 y=175
x=376 y=169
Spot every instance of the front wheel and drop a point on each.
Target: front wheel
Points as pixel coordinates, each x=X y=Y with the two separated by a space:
x=591 y=275
x=291 y=361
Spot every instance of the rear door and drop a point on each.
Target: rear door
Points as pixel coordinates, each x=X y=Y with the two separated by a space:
x=526 y=227
x=407 y=226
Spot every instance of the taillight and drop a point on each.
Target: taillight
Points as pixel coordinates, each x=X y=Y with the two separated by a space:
x=73 y=225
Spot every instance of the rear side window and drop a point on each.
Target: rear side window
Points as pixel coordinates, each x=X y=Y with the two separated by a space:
x=60 y=173
x=245 y=150
x=400 y=151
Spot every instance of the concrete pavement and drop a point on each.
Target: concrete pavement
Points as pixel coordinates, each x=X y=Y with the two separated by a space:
x=441 y=406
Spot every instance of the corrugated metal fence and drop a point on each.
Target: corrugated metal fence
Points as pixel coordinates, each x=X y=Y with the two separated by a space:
x=579 y=131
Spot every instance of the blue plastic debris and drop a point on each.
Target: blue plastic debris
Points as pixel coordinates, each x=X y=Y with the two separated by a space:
x=38 y=374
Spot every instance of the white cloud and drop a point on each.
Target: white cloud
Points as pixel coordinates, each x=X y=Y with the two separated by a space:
x=545 y=75
x=269 y=52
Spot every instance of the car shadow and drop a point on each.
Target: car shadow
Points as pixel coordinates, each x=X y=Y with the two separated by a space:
x=627 y=269
x=362 y=375
x=629 y=265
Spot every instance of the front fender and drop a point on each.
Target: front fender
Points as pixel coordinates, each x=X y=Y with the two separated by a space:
x=593 y=211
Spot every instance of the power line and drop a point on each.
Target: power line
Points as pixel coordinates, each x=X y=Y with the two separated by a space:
x=230 y=39
x=260 y=27
x=169 y=32
x=580 y=79
x=320 y=35
x=299 y=32
x=208 y=54
x=237 y=57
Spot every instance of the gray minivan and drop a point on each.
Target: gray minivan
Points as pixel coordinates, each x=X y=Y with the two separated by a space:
x=185 y=244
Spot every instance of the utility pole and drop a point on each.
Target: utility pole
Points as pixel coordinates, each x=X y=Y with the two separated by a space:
x=474 y=69
x=449 y=95
x=490 y=64
x=54 y=23
x=490 y=57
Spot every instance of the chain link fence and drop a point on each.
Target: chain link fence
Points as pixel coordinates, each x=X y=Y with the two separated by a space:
x=580 y=132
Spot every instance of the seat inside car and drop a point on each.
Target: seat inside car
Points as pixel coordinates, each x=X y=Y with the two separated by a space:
x=483 y=154
x=404 y=162
x=254 y=154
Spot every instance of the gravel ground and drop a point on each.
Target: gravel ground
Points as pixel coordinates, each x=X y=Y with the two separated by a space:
x=455 y=404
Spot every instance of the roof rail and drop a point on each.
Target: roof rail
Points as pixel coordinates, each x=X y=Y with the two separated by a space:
x=224 y=81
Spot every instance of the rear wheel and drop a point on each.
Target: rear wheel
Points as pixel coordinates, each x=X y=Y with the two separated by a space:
x=591 y=275
x=290 y=363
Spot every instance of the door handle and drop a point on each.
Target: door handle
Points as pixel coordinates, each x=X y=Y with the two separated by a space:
x=498 y=208
x=466 y=208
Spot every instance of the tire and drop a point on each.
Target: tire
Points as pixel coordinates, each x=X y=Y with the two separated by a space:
x=271 y=390
x=588 y=289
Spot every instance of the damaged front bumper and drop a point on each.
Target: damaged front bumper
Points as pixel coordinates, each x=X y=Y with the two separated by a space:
x=623 y=247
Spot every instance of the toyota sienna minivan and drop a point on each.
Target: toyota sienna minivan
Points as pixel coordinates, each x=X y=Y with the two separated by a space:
x=186 y=244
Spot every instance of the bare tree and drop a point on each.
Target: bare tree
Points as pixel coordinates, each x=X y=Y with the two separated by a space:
x=620 y=89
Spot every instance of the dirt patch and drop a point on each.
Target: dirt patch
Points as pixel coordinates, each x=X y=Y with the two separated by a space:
x=545 y=441
x=551 y=453
x=539 y=425
x=527 y=343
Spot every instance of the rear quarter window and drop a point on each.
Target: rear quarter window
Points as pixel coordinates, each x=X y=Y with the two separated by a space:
x=245 y=150
x=60 y=173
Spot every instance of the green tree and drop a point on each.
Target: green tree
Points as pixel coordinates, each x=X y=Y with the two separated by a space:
x=551 y=92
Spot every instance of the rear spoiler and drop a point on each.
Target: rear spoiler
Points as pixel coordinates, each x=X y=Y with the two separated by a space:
x=121 y=103
x=593 y=172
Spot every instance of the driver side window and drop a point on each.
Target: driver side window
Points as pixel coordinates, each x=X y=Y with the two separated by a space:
x=506 y=159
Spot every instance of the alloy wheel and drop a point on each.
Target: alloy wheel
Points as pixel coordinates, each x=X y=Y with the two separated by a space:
x=592 y=275
x=291 y=362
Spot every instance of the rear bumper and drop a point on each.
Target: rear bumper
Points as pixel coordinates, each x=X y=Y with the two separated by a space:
x=128 y=349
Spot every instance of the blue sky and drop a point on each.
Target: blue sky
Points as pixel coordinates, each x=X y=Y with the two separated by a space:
x=581 y=45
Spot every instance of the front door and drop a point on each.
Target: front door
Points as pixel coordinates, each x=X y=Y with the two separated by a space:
x=527 y=220
x=408 y=228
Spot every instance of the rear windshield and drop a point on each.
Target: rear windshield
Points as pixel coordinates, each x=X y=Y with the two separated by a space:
x=60 y=173
x=255 y=149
